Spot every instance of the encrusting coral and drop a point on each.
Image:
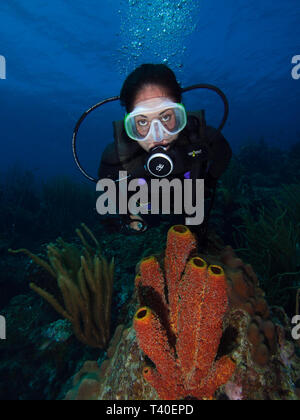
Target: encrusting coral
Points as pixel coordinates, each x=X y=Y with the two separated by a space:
x=86 y=285
x=182 y=336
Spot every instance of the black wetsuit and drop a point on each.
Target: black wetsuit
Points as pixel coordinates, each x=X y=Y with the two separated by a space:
x=125 y=154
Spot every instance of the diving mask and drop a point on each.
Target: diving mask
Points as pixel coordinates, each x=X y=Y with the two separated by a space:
x=155 y=119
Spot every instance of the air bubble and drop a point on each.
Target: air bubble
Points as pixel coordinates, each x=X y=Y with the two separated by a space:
x=155 y=30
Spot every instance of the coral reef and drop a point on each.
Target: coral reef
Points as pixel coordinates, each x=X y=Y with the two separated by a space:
x=249 y=332
x=86 y=285
x=254 y=334
x=118 y=378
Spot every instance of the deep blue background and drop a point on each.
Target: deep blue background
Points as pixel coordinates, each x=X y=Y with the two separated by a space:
x=63 y=56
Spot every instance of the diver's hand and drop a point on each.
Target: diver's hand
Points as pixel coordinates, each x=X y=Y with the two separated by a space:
x=136 y=225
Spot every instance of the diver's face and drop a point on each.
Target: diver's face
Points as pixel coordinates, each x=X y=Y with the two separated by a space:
x=151 y=92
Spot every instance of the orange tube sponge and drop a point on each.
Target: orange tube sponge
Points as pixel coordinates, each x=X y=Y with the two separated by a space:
x=180 y=243
x=196 y=301
x=157 y=381
x=214 y=306
x=219 y=374
x=153 y=341
x=151 y=276
x=192 y=294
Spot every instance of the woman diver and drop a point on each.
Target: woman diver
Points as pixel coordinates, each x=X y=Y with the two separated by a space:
x=156 y=128
x=159 y=139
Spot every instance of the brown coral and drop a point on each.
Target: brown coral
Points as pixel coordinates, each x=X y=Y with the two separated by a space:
x=86 y=285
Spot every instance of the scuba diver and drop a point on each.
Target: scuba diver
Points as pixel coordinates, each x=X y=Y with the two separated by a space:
x=159 y=139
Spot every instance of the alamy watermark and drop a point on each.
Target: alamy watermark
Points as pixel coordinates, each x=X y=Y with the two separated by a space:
x=296 y=69
x=2 y=67
x=2 y=328
x=296 y=329
x=138 y=202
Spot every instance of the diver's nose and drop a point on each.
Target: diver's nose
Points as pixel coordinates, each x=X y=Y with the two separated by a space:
x=158 y=134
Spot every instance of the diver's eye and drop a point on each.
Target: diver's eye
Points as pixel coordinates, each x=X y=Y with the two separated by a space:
x=165 y=118
x=142 y=123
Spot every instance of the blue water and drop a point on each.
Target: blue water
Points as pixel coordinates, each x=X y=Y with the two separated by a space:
x=63 y=56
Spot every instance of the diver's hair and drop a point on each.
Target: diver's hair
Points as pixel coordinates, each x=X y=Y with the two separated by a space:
x=149 y=74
